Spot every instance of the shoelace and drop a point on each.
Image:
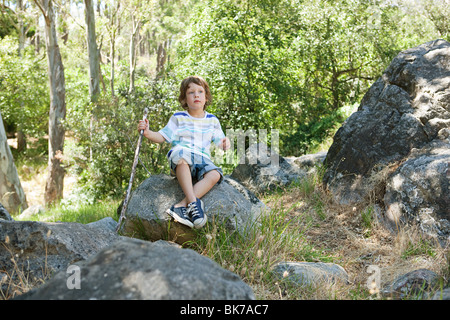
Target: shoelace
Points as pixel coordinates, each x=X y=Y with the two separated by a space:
x=193 y=212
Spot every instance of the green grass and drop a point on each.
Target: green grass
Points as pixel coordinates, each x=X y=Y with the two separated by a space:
x=84 y=213
x=419 y=247
x=367 y=219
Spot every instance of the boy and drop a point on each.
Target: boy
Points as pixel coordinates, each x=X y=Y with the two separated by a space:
x=190 y=132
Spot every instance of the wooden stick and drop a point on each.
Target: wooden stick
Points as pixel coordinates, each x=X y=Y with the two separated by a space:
x=133 y=170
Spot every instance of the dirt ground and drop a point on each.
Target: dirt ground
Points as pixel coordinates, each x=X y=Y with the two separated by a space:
x=33 y=179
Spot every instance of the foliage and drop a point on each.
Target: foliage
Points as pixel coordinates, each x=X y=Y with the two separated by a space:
x=298 y=66
x=7 y=20
x=107 y=138
x=294 y=66
x=24 y=97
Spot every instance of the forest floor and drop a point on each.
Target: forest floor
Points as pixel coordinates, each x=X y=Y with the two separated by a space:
x=352 y=238
x=348 y=236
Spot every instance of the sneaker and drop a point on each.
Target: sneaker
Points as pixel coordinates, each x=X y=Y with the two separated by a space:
x=196 y=212
x=179 y=215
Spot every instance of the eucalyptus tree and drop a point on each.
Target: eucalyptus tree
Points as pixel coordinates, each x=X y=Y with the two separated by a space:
x=18 y=15
x=12 y=196
x=55 y=177
x=93 y=54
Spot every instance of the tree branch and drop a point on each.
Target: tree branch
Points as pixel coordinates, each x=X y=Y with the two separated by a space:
x=39 y=4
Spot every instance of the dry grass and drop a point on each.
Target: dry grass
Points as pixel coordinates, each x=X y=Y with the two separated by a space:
x=349 y=238
x=18 y=281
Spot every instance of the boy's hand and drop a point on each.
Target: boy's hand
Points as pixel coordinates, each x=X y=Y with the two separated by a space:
x=143 y=125
x=150 y=135
x=225 y=144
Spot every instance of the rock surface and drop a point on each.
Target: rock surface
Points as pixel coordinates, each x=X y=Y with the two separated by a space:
x=419 y=190
x=4 y=214
x=38 y=249
x=146 y=217
x=137 y=269
x=442 y=294
x=108 y=224
x=415 y=283
x=256 y=176
x=31 y=212
x=401 y=128
x=310 y=273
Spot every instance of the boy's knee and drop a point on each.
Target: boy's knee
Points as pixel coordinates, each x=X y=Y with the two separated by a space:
x=182 y=162
x=181 y=165
x=214 y=175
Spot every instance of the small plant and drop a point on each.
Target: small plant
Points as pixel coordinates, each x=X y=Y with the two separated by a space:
x=306 y=186
x=367 y=220
x=18 y=280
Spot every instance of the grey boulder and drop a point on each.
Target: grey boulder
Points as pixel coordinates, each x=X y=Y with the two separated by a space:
x=228 y=203
x=394 y=150
x=259 y=176
x=137 y=269
x=39 y=249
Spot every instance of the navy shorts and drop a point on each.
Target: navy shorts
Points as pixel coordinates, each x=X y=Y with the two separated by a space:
x=198 y=164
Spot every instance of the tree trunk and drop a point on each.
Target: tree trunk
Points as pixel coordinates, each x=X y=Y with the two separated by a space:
x=161 y=57
x=55 y=177
x=12 y=196
x=21 y=140
x=134 y=27
x=94 y=65
x=112 y=55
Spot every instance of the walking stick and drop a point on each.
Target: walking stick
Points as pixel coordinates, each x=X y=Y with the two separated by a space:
x=133 y=170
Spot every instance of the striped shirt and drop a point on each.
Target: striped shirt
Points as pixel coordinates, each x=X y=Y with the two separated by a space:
x=194 y=134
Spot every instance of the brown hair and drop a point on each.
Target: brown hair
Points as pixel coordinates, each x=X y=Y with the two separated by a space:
x=198 y=81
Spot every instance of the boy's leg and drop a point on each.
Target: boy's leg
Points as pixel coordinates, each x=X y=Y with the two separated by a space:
x=184 y=177
x=209 y=180
x=196 y=210
x=200 y=188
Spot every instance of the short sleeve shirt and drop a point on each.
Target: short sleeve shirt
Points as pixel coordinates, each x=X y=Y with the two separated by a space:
x=194 y=134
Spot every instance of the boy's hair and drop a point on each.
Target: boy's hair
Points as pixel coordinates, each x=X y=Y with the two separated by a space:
x=198 y=81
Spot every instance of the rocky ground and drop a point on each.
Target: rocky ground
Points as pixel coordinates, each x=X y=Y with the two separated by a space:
x=342 y=234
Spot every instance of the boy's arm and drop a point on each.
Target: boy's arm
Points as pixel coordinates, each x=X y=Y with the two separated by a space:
x=150 y=135
x=219 y=138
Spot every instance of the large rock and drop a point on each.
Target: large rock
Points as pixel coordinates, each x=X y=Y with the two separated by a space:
x=38 y=249
x=419 y=190
x=260 y=176
x=402 y=122
x=229 y=203
x=136 y=269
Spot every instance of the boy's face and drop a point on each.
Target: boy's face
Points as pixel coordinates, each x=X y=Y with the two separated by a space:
x=195 y=97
